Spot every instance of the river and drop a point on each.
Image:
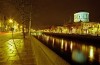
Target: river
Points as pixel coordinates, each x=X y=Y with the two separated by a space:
x=74 y=52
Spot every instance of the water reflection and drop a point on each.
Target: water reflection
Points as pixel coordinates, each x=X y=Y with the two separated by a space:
x=66 y=46
x=53 y=42
x=91 y=53
x=62 y=43
x=57 y=41
x=71 y=45
x=78 y=56
x=80 y=52
x=47 y=38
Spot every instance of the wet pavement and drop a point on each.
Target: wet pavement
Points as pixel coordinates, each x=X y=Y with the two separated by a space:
x=16 y=52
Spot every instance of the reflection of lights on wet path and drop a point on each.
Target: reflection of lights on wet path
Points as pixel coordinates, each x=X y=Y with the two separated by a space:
x=11 y=47
x=12 y=50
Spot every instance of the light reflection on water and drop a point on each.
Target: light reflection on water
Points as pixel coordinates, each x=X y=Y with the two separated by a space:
x=71 y=45
x=91 y=53
x=66 y=46
x=53 y=42
x=81 y=51
x=62 y=43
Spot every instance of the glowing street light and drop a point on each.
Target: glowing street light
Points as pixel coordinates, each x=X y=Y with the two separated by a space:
x=10 y=20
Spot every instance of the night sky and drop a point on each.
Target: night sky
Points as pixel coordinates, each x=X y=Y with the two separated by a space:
x=53 y=12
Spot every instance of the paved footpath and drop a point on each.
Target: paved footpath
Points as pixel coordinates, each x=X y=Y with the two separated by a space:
x=16 y=51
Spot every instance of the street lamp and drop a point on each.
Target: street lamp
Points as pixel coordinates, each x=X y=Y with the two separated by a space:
x=10 y=20
x=12 y=24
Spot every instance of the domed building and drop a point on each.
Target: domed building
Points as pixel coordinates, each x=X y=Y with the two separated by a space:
x=81 y=17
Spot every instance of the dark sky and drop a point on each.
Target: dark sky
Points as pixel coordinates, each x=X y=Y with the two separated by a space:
x=58 y=12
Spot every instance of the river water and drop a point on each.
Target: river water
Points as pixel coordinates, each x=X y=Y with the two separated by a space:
x=74 y=52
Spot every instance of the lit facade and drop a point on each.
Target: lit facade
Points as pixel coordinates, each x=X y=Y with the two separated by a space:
x=81 y=16
x=91 y=28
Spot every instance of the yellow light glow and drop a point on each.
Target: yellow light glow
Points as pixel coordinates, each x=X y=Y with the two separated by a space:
x=83 y=47
x=15 y=27
x=10 y=20
x=91 y=53
x=17 y=24
x=47 y=38
x=21 y=26
x=11 y=51
x=11 y=46
x=71 y=45
x=62 y=43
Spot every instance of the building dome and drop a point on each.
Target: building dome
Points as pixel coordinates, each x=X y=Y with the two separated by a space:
x=81 y=16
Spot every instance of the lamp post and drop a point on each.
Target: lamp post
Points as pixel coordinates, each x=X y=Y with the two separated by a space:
x=12 y=24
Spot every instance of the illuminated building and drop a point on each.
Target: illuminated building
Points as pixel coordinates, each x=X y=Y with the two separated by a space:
x=81 y=16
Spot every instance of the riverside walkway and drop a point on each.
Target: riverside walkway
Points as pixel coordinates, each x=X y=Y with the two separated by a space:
x=16 y=51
